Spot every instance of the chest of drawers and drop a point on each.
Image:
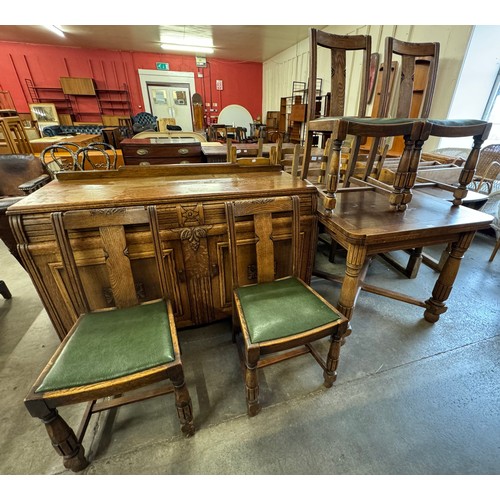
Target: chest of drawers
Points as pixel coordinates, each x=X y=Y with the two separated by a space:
x=160 y=150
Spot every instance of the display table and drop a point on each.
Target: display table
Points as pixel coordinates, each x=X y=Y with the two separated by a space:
x=193 y=231
x=38 y=145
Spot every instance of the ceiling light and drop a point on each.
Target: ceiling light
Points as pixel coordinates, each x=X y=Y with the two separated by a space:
x=54 y=29
x=188 y=48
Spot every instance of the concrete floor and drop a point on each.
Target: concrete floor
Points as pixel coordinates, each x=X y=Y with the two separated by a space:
x=411 y=398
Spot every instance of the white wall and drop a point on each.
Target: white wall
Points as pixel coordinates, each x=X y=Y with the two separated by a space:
x=468 y=64
x=479 y=70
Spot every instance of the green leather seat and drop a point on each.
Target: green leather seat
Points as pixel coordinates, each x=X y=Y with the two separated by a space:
x=282 y=308
x=110 y=344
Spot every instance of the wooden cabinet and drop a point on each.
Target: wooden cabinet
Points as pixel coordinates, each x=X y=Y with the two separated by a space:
x=159 y=150
x=192 y=228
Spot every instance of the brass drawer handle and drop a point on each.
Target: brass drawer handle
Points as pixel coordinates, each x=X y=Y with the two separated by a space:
x=183 y=151
x=144 y=163
x=142 y=152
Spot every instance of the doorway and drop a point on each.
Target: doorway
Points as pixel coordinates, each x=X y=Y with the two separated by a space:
x=170 y=100
x=168 y=95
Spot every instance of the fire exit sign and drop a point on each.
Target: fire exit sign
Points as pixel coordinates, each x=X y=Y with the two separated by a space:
x=162 y=66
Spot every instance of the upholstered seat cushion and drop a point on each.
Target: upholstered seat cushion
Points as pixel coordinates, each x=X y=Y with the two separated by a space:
x=457 y=122
x=110 y=344
x=282 y=308
x=367 y=120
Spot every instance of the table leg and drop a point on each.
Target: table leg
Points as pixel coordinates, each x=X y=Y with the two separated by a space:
x=444 y=284
x=356 y=266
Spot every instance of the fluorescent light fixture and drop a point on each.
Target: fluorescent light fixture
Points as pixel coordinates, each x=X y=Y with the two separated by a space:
x=187 y=48
x=55 y=29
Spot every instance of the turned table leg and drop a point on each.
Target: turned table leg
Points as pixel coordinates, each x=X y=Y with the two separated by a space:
x=356 y=265
x=444 y=284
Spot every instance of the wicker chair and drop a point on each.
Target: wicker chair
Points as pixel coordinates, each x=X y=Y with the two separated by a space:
x=492 y=207
x=487 y=177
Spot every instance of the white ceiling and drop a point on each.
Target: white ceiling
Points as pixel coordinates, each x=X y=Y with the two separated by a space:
x=255 y=43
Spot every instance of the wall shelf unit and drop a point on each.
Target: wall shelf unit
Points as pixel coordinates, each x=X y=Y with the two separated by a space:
x=53 y=95
x=78 y=99
x=114 y=101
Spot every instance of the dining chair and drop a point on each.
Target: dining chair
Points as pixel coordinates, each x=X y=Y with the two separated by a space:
x=251 y=160
x=60 y=157
x=290 y=158
x=338 y=127
x=97 y=156
x=130 y=345
x=343 y=67
x=278 y=314
x=15 y=136
x=235 y=152
x=413 y=95
x=478 y=131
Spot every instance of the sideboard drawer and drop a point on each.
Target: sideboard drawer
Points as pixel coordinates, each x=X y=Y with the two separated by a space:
x=154 y=151
x=163 y=152
x=163 y=160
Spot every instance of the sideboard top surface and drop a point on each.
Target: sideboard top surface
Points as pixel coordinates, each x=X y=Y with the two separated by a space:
x=105 y=192
x=152 y=141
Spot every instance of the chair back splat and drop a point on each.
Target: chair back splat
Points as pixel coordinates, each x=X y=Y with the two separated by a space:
x=418 y=66
x=340 y=47
x=412 y=56
x=276 y=311
x=124 y=340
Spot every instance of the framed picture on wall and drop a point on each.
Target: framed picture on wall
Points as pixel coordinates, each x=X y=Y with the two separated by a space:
x=44 y=114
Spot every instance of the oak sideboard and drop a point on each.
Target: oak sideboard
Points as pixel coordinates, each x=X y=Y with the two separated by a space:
x=190 y=205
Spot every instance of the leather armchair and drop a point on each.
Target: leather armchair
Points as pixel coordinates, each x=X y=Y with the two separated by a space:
x=20 y=175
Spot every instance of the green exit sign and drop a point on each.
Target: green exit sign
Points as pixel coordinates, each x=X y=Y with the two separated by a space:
x=162 y=66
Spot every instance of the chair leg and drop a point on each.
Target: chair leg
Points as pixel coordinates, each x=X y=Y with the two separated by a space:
x=4 y=291
x=235 y=328
x=65 y=442
x=495 y=250
x=337 y=340
x=184 y=405
x=252 y=383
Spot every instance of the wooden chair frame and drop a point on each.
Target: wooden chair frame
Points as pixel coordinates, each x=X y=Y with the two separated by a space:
x=15 y=136
x=340 y=46
x=111 y=226
x=256 y=355
x=406 y=106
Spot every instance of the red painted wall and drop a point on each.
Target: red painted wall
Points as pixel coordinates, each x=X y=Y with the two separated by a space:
x=44 y=64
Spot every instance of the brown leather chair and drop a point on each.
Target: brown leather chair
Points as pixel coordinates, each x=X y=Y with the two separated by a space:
x=20 y=175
